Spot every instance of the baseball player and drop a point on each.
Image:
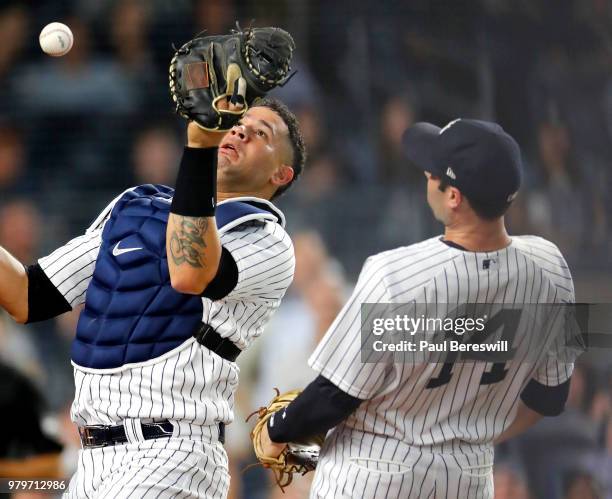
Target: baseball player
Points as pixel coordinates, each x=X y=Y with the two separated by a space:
x=161 y=327
x=427 y=429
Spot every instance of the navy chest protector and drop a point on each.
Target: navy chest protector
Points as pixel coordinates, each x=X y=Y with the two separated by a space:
x=132 y=314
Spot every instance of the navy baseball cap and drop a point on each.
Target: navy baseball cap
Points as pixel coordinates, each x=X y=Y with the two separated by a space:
x=477 y=157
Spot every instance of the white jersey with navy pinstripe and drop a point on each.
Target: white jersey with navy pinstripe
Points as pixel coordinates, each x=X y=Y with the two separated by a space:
x=402 y=420
x=190 y=386
x=188 y=383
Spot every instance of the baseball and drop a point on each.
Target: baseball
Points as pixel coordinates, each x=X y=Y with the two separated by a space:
x=56 y=39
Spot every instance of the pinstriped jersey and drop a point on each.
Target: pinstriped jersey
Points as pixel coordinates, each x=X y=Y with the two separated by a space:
x=190 y=382
x=401 y=402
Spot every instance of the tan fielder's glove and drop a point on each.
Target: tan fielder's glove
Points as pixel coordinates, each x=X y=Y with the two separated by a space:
x=297 y=457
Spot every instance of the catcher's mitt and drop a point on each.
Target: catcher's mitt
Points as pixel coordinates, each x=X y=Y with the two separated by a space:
x=297 y=457
x=242 y=66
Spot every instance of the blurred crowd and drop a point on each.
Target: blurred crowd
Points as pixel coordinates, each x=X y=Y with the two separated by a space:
x=76 y=130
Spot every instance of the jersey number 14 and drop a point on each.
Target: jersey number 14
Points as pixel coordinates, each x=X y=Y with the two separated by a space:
x=508 y=321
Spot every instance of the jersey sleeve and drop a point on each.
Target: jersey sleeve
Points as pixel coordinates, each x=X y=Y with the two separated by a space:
x=70 y=267
x=558 y=363
x=338 y=355
x=264 y=256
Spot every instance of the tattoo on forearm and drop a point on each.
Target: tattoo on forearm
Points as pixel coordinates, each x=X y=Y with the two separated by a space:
x=187 y=240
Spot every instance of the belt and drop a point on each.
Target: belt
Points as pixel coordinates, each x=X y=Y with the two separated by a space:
x=104 y=436
x=207 y=336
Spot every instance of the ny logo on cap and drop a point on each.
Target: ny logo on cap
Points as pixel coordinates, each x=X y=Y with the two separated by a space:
x=450 y=173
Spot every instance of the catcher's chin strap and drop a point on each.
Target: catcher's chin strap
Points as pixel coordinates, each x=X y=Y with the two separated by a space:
x=283 y=472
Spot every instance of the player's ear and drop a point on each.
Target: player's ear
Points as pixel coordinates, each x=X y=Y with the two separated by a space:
x=282 y=175
x=454 y=197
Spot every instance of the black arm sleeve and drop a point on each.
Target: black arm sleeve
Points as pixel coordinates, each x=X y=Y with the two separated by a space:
x=226 y=278
x=321 y=406
x=545 y=400
x=44 y=299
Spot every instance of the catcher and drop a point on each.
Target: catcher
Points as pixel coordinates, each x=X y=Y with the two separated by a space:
x=175 y=286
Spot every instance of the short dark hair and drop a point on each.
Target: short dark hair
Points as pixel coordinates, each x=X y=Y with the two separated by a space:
x=486 y=211
x=295 y=138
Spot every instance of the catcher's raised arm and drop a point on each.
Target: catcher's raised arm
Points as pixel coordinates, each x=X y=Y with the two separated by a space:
x=213 y=81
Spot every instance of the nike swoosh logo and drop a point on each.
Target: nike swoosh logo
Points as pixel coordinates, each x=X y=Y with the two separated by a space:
x=117 y=251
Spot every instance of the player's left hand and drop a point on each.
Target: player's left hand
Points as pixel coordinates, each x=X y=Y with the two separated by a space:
x=201 y=138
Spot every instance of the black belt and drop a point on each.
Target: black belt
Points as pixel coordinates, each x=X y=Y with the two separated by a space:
x=103 y=436
x=207 y=336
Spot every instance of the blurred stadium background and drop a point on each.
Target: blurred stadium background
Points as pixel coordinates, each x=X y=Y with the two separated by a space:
x=76 y=131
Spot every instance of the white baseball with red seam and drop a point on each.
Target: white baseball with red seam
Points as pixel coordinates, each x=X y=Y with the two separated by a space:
x=56 y=39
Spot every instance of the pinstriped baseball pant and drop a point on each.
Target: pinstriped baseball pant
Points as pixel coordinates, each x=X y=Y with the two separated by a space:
x=354 y=464
x=158 y=468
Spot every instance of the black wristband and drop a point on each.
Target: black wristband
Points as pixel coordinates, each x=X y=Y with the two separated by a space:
x=195 y=194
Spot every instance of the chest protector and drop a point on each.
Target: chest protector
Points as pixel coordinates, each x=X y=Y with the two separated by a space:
x=132 y=314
